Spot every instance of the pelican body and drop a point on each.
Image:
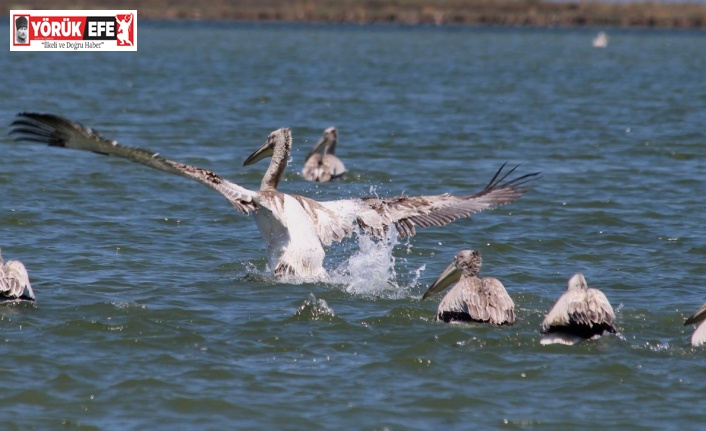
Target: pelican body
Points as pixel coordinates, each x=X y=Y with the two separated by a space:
x=321 y=164
x=295 y=228
x=600 y=41
x=698 y=338
x=580 y=313
x=472 y=298
x=14 y=282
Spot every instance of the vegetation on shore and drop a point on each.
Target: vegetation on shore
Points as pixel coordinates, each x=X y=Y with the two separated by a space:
x=479 y=12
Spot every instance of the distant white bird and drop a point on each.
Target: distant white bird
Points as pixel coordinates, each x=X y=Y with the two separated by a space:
x=580 y=313
x=601 y=40
x=14 y=281
x=321 y=165
x=295 y=228
x=699 y=336
x=472 y=298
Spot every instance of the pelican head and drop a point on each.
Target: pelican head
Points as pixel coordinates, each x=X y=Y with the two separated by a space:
x=327 y=143
x=466 y=262
x=577 y=282
x=278 y=146
x=278 y=142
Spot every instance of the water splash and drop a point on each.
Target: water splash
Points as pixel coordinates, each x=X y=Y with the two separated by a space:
x=314 y=309
x=370 y=271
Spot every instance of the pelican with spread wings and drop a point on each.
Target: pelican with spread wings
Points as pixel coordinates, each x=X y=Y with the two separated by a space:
x=296 y=228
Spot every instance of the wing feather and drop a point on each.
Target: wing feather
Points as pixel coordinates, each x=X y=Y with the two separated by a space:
x=56 y=131
x=560 y=313
x=329 y=223
x=455 y=301
x=580 y=307
x=599 y=312
x=14 y=281
x=376 y=215
x=501 y=308
x=483 y=300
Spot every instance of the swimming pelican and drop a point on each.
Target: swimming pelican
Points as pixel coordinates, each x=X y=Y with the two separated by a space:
x=14 y=281
x=601 y=40
x=580 y=313
x=699 y=336
x=472 y=298
x=324 y=167
x=295 y=227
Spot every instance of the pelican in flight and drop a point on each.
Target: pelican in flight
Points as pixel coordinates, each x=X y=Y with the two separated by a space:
x=14 y=281
x=324 y=167
x=580 y=313
x=699 y=336
x=295 y=228
x=472 y=299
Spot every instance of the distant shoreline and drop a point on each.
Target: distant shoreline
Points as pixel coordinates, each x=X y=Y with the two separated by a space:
x=531 y=13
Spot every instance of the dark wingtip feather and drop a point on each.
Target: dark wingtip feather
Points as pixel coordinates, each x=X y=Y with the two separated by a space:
x=37 y=127
x=521 y=183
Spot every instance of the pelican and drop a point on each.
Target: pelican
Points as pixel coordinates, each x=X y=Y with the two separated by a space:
x=601 y=40
x=14 y=281
x=580 y=313
x=699 y=336
x=324 y=167
x=471 y=299
x=295 y=228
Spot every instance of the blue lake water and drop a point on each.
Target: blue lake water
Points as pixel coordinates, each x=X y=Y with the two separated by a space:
x=155 y=309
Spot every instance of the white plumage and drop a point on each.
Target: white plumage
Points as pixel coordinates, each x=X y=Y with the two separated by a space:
x=14 y=281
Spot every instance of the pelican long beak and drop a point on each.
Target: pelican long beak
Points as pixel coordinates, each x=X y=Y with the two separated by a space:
x=317 y=147
x=266 y=150
x=450 y=275
x=697 y=317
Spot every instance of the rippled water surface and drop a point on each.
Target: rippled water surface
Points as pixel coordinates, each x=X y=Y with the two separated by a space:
x=155 y=308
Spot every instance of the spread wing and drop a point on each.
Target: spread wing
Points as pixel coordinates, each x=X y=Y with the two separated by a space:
x=375 y=215
x=484 y=300
x=56 y=131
